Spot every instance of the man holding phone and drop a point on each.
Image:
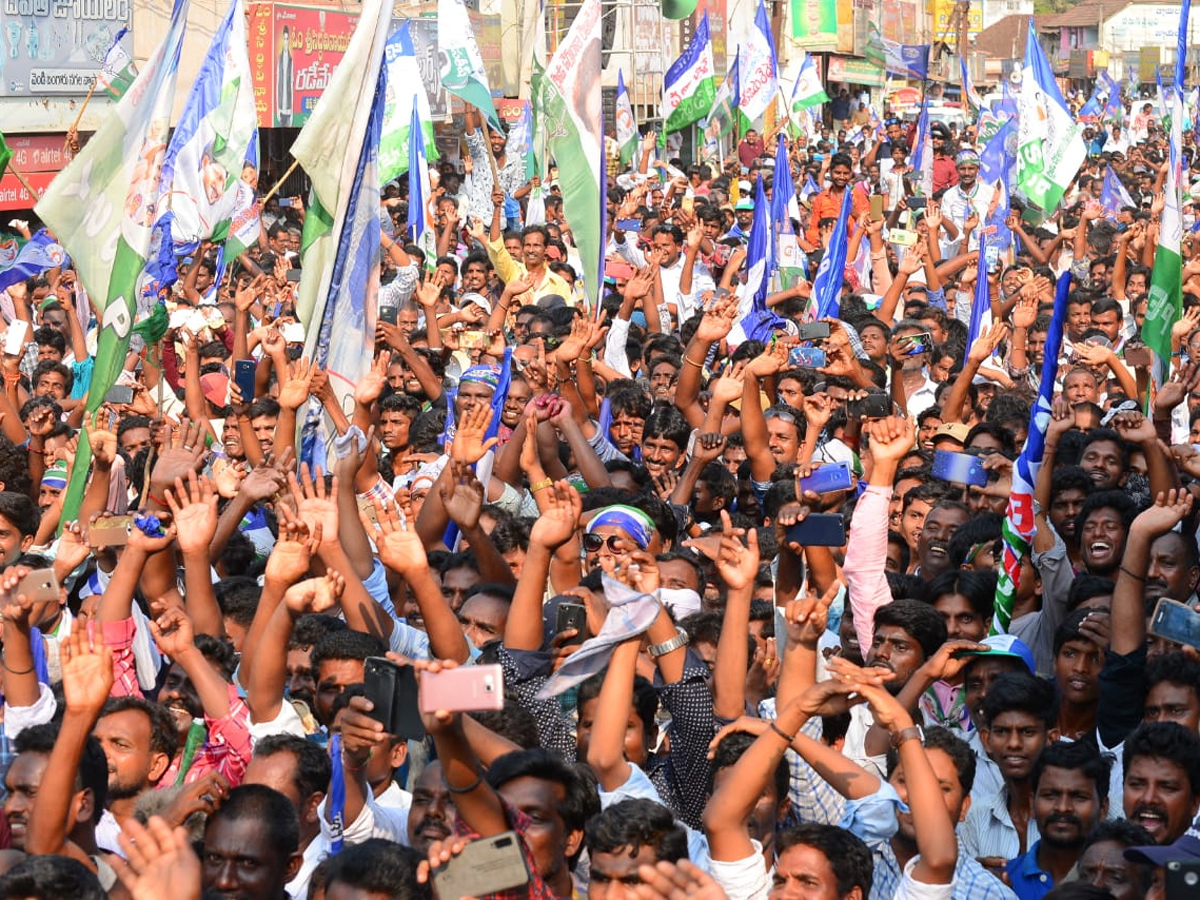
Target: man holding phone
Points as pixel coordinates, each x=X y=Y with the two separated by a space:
x=969 y=197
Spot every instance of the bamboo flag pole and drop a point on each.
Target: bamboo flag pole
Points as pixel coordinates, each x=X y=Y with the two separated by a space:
x=71 y=145
x=24 y=181
x=286 y=175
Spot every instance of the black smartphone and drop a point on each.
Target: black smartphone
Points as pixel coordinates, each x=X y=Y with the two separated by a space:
x=243 y=377
x=916 y=344
x=1176 y=622
x=389 y=314
x=813 y=331
x=119 y=394
x=1183 y=879
x=819 y=530
x=571 y=615
x=914 y=202
x=872 y=406
x=392 y=689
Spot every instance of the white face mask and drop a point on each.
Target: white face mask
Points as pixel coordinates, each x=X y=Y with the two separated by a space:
x=680 y=601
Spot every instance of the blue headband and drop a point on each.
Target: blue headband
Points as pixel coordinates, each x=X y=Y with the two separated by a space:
x=488 y=375
x=632 y=521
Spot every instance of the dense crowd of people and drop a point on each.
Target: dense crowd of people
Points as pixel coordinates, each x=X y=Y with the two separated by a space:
x=726 y=673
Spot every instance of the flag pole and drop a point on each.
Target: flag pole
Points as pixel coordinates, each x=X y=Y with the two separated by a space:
x=286 y=175
x=24 y=181
x=71 y=144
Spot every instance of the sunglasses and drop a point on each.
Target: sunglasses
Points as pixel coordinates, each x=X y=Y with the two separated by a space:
x=593 y=542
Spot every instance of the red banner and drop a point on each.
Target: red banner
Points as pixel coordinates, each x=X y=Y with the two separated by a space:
x=293 y=52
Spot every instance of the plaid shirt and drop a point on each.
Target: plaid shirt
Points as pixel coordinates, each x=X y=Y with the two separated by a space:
x=813 y=799
x=227 y=748
x=971 y=880
x=536 y=889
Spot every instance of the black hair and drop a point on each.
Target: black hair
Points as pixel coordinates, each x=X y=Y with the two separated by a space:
x=378 y=867
x=93 y=764
x=279 y=819
x=1165 y=740
x=50 y=877
x=851 y=861
x=238 y=598
x=1020 y=691
x=263 y=406
x=628 y=397
x=628 y=826
x=1085 y=587
x=51 y=337
x=666 y=421
x=730 y=750
x=164 y=736
x=919 y=620
x=1068 y=629
x=357 y=645
x=1124 y=505
x=20 y=511
x=311 y=628
x=48 y=365
x=1080 y=755
x=939 y=738
x=1066 y=478
x=978 y=587
x=314 y=768
x=898 y=540
x=581 y=799
x=645 y=700
x=983 y=528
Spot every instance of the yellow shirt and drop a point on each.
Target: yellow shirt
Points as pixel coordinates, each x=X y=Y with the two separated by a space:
x=509 y=270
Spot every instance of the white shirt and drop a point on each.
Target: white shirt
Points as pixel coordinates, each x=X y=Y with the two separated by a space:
x=957 y=206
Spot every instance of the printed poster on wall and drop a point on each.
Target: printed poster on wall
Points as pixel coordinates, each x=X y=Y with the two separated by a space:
x=56 y=46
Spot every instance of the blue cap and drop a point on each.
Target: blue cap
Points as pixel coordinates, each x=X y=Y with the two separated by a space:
x=1186 y=848
x=1006 y=645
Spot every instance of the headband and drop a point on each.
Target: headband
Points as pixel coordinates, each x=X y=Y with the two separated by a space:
x=632 y=521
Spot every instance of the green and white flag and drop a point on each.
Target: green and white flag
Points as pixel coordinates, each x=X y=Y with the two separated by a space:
x=211 y=142
x=327 y=147
x=1164 y=302
x=117 y=73
x=574 y=126
x=404 y=88
x=102 y=208
x=758 y=71
x=808 y=91
x=690 y=86
x=463 y=73
x=1050 y=148
x=627 y=133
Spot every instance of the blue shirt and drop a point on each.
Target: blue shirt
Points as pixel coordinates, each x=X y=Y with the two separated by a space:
x=1028 y=881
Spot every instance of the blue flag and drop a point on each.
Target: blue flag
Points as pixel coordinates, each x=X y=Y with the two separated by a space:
x=982 y=300
x=1181 y=49
x=418 y=180
x=161 y=269
x=1113 y=196
x=827 y=284
x=996 y=156
x=41 y=252
x=351 y=301
x=755 y=320
x=1092 y=108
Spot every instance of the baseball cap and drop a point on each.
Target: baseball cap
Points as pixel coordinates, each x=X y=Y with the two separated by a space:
x=1187 y=847
x=745 y=203
x=1005 y=645
x=471 y=297
x=956 y=431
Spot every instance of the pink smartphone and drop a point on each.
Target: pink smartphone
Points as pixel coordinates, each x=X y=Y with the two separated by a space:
x=464 y=689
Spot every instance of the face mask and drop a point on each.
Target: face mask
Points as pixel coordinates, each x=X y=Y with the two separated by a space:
x=680 y=601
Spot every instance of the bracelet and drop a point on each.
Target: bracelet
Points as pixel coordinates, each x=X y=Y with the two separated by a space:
x=908 y=734
x=540 y=485
x=150 y=496
x=15 y=671
x=465 y=789
x=680 y=640
x=688 y=359
x=1141 y=578
x=783 y=734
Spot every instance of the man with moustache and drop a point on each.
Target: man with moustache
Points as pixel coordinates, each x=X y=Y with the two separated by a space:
x=1161 y=789
x=1070 y=797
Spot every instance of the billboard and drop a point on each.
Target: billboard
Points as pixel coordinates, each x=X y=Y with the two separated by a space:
x=294 y=50
x=815 y=24
x=56 y=46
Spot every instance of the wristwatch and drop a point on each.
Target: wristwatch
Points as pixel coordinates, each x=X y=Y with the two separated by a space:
x=906 y=734
x=680 y=640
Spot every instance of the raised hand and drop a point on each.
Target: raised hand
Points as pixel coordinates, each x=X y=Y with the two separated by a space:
x=316 y=505
x=718 y=319
x=708 y=447
x=469 y=443
x=194 y=510
x=159 y=860
x=462 y=496
x=173 y=633
x=315 y=595
x=294 y=548
x=985 y=345
x=183 y=451
x=1184 y=380
x=557 y=523
x=102 y=441
x=891 y=438
x=266 y=481
x=295 y=390
x=1169 y=509
x=1134 y=427
x=371 y=385
x=399 y=547
x=730 y=385
x=87 y=671
x=675 y=881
